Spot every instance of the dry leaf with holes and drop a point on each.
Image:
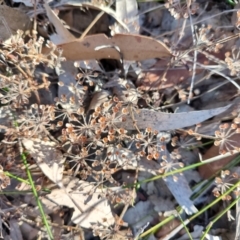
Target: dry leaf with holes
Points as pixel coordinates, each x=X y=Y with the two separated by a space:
x=49 y=159
x=132 y=47
x=84 y=198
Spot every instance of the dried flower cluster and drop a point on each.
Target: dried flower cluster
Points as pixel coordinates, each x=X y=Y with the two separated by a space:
x=179 y=9
x=223 y=183
x=91 y=134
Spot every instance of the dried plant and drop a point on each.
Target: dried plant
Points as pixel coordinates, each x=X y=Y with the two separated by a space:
x=88 y=131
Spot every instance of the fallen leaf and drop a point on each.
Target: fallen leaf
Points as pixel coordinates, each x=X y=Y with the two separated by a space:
x=15 y=232
x=161 y=121
x=124 y=157
x=160 y=76
x=98 y=99
x=237 y=233
x=67 y=76
x=166 y=228
x=181 y=192
x=47 y=157
x=139 y=215
x=208 y=170
x=88 y=207
x=12 y=19
x=165 y=207
x=178 y=184
x=63 y=35
x=100 y=7
x=132 y=47
x=127 y=11
x=28 y=231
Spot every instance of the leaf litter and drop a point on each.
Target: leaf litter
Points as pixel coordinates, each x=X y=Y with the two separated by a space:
x=115 y=147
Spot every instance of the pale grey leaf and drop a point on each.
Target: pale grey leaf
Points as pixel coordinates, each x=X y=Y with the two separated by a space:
x=63 y=35
x=182 y=192
x=138 y=216
x=161 y=121
x=126 y=9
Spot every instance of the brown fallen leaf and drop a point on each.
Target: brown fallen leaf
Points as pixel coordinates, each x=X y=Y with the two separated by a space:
x=156 y=77
x=167 y=228
x=208 y=170
x=132 y=47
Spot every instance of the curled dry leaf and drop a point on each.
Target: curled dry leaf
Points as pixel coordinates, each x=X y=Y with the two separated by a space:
x=47 y=157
